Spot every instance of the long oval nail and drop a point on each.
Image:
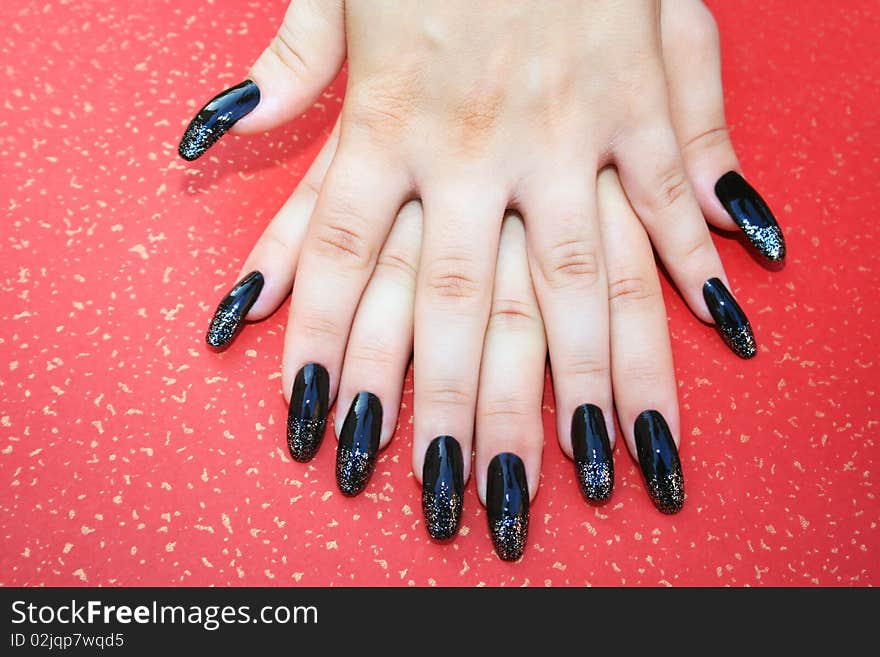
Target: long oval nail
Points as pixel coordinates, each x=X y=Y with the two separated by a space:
x=751 y=213
x=730 y=320
x=307 y=415
x=443 y=487
x=229 y=316
x=216 y=117
x=507 y=505
x=593 y=464
x=659 y=460
x=358 y=444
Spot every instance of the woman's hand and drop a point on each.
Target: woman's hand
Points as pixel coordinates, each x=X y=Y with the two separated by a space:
x=696 y=96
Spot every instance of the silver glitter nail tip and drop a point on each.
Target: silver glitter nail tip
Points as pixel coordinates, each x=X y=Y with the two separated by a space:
x=740 y=340
x=224 y=326
x=442 y=509
x=196 y=140
x=596 y=479
x=658 y=458
x=767 y=239
x=353 y=470
x=509 y=536
x=304 y=438
x=507 y=505
x=667 y=491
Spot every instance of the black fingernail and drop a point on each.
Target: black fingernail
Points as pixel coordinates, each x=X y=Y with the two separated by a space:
x=592 y=453
x=507 y=505
x=751 y=214
x=307 y=415
x=358 y=444
x=442 y=487
x=214 y=119
x=229 y=316
x=730 y=320
x=658 y=457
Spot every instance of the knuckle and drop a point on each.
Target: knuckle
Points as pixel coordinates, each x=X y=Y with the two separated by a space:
x=447 y=393
x=397 y=265
x=278 y=239
x=571 y=262
x=587 y=367
x=710 y=139
x=453 y=278
x=285 y=47
x=645 y=377
x=511 y=407
x=476 y=115
x=699 y=250
x=672 y=186
x=509 y=313
x=372 y=351
x=318 y=326
x=384 y=105
x=339 y=238
x=628 y=289
x=310 y=185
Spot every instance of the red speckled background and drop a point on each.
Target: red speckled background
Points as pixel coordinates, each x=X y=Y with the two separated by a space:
x=131 y=455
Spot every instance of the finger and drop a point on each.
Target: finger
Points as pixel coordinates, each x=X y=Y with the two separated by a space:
x=655 y=182
x=267 y=275
x=641 y=356
x=653 y=176
x=453 y=295
x=565 y=257
x=509 y=426
x=361 y=195
x=697 y=104
x=302 y=59
x=378 y=353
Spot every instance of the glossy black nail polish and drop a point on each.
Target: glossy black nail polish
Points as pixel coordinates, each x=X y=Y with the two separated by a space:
x=358 y=444
x=730 y=321
x=229 y=316
x=443 y=487
x=214 y=119
x=307 y=415
x=658 y=458
x=592 y=453
x=507 y=505
x=751 y=214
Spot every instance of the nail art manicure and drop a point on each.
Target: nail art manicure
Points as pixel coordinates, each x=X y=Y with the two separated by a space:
x=219 y=115
x=658 y=458
x=507 y=505
x=751 y=214
x=730 y=320
x=307 y=415
x=358 y=444
x=443 y=487
x=229 y=316
x=592 y=453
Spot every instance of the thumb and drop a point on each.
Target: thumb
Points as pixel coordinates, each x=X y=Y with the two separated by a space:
x=302 y=59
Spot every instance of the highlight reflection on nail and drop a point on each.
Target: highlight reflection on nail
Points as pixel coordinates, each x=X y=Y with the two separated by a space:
x=214 y=119
x=507 y=505
x=443 y=487
x=229 y=316
x=358 y=444
x=307 y=415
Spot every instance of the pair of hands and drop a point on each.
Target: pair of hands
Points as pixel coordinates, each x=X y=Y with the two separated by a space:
x=601 y=124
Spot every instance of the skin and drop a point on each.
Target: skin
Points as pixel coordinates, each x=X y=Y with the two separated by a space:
x=535 y=129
